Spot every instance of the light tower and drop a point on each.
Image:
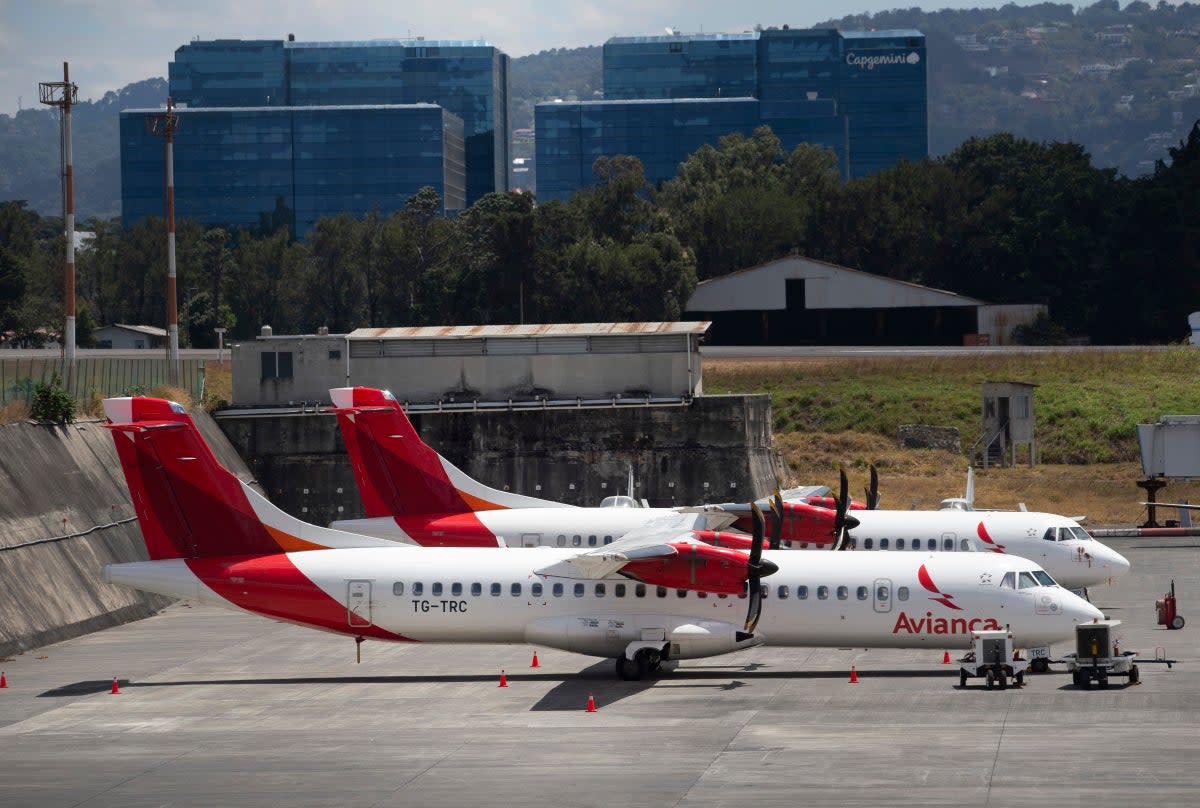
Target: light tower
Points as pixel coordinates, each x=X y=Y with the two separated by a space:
x=63 y=94
x=165 y=124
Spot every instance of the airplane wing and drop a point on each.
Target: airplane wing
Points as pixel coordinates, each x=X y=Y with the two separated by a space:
x=651 y=540
x=801 y=493
x=714 y=517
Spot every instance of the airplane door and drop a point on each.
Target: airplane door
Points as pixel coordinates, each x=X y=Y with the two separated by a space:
x=358 y=603
x=531 y=539
x=882 y=595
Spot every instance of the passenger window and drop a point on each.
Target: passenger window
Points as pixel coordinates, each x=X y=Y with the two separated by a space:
x=902 y=593
x=823 y=593
x=701 y=594
x=562 y=540
x=931 y=544
x=608 y=539
x=619 y=591
x=535 y=590
x=782 y=592
x=398 y=588
x=600 y=590
x=852 y=543
x=476 y=590
x=843 y=592
x=1026 y=581
x=495 y=590
x=639 y=590
x=418 y=589
x=661 y=591
x=862 y=593
x=899 y=544
x=868 y=544
x=882 y=593
x=516 y=590
x=436 y=589
x=558 y=590
x=578 y=590
x=1009 y=581
x=883 y=544
x=456 y=590
x=965 y=545
x=591 y=541
x=802 y=593
x=576 y=541
x=948 y=544
x=681 y=593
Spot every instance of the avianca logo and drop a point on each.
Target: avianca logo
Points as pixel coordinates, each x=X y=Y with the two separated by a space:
x=941 y=625
x=942 y=597
x=981 y=531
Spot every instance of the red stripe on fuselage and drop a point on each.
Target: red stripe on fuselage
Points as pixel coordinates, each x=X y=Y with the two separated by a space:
x=271 y=585
x=448 y=530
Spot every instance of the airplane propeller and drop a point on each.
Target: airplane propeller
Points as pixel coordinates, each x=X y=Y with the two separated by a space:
x=842 y=521
x=873 y=490
x=776 y=519
x=756 y=569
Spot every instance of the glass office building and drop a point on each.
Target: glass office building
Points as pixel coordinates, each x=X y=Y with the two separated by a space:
x=236 y=165
x=862 y=94
x=468 y=78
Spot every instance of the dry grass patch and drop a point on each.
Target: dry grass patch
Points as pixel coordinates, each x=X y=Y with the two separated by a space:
x=14 y=412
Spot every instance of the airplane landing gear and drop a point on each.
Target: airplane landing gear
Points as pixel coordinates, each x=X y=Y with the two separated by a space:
x=646 y=660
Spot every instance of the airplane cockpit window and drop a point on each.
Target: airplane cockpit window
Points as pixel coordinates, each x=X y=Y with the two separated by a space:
x=1009 y=581
x=1026 y=581
x=1044 y=578
x=1051 y=534
x=1077 y=533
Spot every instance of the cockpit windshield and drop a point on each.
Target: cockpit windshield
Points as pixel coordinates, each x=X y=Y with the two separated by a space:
x=1066 y=534
x=1044 y=578
x=1026 y=581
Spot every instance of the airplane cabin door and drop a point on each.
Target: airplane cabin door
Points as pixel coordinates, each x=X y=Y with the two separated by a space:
x=882 y=595
x=358 y=603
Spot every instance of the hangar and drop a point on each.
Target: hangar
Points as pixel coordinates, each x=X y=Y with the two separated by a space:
x=801 y=301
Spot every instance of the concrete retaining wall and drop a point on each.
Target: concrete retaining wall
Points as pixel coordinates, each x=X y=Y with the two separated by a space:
x=64 y=514
x=717 y=449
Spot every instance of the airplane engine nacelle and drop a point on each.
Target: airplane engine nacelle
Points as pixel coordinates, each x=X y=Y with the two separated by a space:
x=736 y=541
x=699 y=567
x=801 y=522
x=606 y=636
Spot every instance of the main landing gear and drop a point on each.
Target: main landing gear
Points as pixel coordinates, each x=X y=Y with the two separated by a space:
x=645 y=661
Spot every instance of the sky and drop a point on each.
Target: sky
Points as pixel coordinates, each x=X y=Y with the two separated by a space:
x=111 y=43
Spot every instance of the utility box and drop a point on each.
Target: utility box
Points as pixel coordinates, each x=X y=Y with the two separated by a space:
x=1008 y=422
x=1171 y=448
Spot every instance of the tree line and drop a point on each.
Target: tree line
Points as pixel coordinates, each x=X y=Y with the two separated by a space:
x=1000 y=218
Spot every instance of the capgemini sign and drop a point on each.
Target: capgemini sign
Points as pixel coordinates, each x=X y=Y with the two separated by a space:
x=873 y=61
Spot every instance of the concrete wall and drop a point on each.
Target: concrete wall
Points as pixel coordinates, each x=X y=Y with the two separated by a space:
x=65 y=481
x=717 y=449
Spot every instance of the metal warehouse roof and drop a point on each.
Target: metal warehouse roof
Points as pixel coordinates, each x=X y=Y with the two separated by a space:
x=529 y=330
x=827 y=286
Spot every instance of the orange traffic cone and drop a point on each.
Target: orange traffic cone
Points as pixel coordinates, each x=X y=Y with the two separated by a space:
x=535 y=663
x=3 y=681
x=503 y=679
x=946 y=658
x=591 y=708
x=116 y=691
x=853 y=676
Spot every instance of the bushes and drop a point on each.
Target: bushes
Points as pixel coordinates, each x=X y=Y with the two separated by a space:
x=51 y=402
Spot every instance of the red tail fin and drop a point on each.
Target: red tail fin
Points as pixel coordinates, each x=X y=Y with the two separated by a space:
x=190 y=506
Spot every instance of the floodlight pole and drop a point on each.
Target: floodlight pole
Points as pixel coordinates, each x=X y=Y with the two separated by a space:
x=63 y=94
x=165 y=125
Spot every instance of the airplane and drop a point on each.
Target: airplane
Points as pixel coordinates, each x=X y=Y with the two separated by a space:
x=655 y=596
x=399 y=476
x=411 y=493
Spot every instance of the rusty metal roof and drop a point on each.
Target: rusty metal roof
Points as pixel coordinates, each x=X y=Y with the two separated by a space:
x=529 y=330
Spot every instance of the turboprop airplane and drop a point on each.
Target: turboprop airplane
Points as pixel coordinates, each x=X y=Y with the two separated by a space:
x=411 y=493
x=656 y=595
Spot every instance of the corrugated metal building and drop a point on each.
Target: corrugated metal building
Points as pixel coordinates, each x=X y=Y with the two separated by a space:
x=799 y=301
x=457 y=364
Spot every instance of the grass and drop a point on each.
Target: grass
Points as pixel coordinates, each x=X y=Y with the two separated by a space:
x=833 y=412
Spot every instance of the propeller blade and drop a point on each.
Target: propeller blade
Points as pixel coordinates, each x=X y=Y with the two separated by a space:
x=776 y=519
x=755 y=567
x=873 y=491
x=839 y=520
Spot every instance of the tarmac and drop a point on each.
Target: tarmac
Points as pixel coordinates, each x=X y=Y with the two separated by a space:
x=220 y=708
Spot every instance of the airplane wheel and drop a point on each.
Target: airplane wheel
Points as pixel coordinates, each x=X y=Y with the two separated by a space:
x=631 y=670
x=1040 y=665
x=962 y=678
x=989 y=680
x=1177 y=622
x=1133 y=675
x=1076 y=679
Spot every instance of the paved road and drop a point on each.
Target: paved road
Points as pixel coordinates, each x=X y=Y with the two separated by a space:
x=218 y=708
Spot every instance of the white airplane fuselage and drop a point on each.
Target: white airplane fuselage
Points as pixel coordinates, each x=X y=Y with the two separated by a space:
x=899 y=600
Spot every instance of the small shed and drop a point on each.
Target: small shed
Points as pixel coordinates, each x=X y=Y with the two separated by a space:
x=1008 y=422
x=130 y=337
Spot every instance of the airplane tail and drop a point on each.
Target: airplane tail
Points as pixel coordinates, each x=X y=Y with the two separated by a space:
x=188 y=505
x=397 y=473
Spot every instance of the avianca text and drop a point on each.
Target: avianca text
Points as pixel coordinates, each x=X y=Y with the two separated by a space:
x=942 y=625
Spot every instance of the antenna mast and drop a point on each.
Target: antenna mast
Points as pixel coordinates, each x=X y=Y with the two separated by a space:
x=164 y=125
x=63 y=94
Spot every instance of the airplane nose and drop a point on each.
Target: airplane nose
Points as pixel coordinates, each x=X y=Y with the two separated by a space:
x=1079 y=610
x=1117 y=564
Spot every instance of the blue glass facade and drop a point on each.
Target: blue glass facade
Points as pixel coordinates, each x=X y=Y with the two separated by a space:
x=469 y=78
x=862 y=94
x=233 y=165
